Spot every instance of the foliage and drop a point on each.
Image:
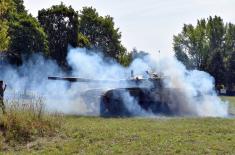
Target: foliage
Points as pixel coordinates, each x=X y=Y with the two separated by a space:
x=230 y=48
x=138 y=54
x=191 y=45
x=101 y=33
x=20 y=34
x=4 y=36
x=83 y=41
x=125 y=59
x=61 y=25
x=27 y=36
x=231 y=69
x=19 y=6
x=207 y=46
x=26 y=120
x=217 y=68
x=6 y=6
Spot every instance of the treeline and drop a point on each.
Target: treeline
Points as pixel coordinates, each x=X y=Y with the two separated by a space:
x=54 y=30
x=209 y=46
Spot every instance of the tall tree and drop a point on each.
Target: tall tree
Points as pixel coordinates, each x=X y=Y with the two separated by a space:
x=61 y=25
x=101 y=33
x=217 y=56
x=27 y=37
x=19 y=6
x=230 y=50
x=207 y=46
x=20 y=33
x=216 y=68
x=215 y=32
x=231 y=70
x=6 y=6
x=191 y=45
x=4 y=38
x=230 y=38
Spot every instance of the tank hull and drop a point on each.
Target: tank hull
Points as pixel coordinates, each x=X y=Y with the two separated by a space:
x=134 y=102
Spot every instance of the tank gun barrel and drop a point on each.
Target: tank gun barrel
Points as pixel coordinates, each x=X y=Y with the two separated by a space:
x=76 y=79
x=70 y=79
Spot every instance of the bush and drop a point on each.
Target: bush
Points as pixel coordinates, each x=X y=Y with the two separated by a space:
x=26 y=120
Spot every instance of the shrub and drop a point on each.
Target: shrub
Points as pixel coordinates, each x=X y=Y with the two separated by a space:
x=26 y=119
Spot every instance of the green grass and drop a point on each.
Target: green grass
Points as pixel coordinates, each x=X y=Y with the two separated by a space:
x=90 y=135
x=25 y=121
x=231 y=100
x=94 y=135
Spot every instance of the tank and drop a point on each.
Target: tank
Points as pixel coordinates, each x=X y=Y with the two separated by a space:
x=148 y=94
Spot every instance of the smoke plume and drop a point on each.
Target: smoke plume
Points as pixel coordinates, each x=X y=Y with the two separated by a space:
x=191 y=92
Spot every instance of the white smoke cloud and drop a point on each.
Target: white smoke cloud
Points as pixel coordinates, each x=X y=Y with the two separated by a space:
x=195 y=93
x=190 y=92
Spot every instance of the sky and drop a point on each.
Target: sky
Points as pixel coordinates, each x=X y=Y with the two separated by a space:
x=148 y=25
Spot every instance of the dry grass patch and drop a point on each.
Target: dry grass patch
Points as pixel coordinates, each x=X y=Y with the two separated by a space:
x=25 y=121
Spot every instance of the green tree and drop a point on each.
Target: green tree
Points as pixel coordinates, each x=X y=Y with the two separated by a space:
x=230 y=38
x=4 y=38
x=207 y=46
x=125 y=59
x=27 y=37
x=138 y=54
x=19 y=6
x=83 y=41
x=230 y=50
x=20 y=33
x=217 y=56
x=215 y=33
x=231 y=70
x=191 y=45
x=61 y=25
x=216 y=68
x=6 y=6
x=101 y=33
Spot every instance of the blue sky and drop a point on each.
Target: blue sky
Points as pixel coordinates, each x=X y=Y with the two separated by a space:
x=149 y=25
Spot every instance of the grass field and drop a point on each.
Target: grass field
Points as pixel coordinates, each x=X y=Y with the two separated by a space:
x=93 y=135
x=231 y=101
